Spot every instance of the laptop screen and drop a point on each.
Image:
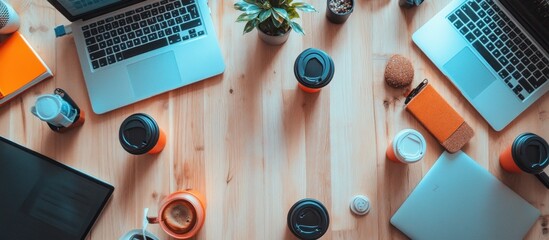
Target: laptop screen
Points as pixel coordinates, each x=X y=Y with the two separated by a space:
x=78 y=7
x=84 y=9
x=44 y=199
x=534 y=15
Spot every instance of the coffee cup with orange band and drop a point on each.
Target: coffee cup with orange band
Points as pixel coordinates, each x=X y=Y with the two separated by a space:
x=140 y=134
x=408 y=146
x=181 y=214
x=313 y=69
x=528 y=153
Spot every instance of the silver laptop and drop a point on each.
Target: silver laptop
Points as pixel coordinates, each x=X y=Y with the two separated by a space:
x=459 y=199
x=494 y=51
x=130 y=50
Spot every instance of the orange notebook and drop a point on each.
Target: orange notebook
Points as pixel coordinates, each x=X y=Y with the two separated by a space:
x=20 y=67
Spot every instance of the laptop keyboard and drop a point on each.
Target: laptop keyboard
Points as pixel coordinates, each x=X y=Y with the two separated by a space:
x=141 y=30
x=503 y=45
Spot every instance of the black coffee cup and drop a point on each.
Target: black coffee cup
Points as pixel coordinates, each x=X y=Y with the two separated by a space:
x=529 y=153
x=308 y=219
x=140 y=134
x=313 y=69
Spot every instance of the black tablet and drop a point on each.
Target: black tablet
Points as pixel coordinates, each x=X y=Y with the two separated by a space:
x=41 y=198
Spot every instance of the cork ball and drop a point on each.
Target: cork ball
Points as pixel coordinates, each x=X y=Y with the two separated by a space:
x=399 y=72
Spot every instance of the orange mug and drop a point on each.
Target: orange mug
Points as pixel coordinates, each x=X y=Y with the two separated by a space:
x=181 y=214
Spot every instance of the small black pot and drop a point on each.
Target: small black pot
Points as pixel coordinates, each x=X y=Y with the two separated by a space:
x=338 y=17
x=409 y=3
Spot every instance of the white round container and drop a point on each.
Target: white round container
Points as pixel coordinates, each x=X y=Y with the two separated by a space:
x=408 y=146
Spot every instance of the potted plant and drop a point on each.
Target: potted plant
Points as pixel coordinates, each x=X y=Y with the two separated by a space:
x=273 y=18
x=338 y=11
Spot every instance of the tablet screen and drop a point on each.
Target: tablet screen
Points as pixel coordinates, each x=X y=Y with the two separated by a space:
x=44 y=199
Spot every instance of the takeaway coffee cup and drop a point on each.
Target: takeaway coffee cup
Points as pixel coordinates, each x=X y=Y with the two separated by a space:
x=181 y=214
x=140 y=134
x=9 y=20
x=308 y=219
x=528 y=153
x=408 y=146
x=314 y=69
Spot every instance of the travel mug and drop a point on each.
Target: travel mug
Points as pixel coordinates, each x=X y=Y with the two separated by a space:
x=9 y=20
x=314 y=69
x=308 y=219
x=181 y=214
x=140 y=134
x=528 y=153
x=58 y=110
x=408 y=146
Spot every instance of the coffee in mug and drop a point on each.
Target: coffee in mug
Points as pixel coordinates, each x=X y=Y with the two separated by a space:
x=181 y=214
x=408 y=146
x=528 y=153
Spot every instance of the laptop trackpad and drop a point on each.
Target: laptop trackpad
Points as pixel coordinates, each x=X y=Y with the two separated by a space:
x=154 y=75
x=469 y=73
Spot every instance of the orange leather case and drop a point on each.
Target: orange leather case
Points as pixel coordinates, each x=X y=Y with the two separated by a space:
x=440 y=119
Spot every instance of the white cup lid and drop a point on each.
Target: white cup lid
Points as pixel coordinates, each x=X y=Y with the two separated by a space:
x=48 y=107
x=360 y=205
x=409 y=146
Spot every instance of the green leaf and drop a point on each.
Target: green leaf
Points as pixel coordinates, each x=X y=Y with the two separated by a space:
x=265 y=14
x=250 y=26
x=276 y=23
x=241 y=6
x=305 y=7
x=267 y=5
x=292 y=13
x=247 y=7
x=251 y=2
x=297 y=28
x=276 y=17
x=245 y=17
x=253 y=9
x=281 y=13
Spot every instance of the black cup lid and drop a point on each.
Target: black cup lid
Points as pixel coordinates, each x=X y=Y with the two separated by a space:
x=308 y=219
x=139 y=133
x=530 y=152
x=313 y=68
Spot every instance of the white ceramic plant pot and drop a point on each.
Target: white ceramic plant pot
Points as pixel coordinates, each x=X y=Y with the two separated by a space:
x=274 y=40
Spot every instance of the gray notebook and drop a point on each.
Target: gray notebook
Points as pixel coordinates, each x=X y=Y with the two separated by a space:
x=459 y=199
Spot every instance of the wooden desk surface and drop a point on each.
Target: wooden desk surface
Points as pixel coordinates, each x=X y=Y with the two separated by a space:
x=253 y=143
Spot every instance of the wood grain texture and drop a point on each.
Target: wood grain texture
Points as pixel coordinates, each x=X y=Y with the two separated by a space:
x=253 y=143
